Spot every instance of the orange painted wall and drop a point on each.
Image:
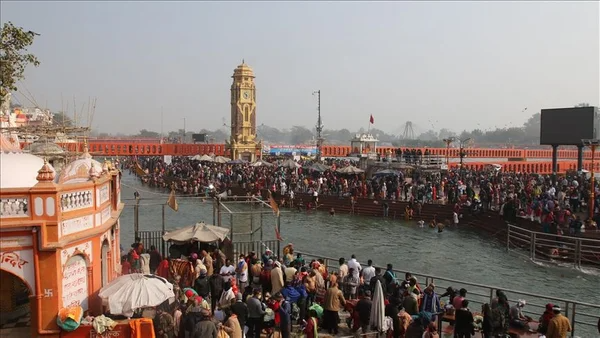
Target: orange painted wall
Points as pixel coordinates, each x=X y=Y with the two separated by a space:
x=123 y=148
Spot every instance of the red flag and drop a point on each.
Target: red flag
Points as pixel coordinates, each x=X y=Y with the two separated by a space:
x=277 y=234
x=372 y=120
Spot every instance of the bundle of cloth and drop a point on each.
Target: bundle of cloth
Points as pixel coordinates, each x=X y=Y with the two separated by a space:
x=69 y=318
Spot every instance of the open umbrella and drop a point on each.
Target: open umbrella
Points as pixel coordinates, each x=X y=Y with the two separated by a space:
x=290 y=164
x=237 y=161
x=387 y=172
x=377 y=308
x=205 y=158
x=320 y=167
x=221 y=159
x=133 y=291
x=198 y=232
x=261 y=163
x=350 y=170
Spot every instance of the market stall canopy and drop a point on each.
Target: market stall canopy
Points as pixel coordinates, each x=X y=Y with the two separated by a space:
x=319 y=167
x=237 y=161
x=290 y=164
x=221 y=159
x=198 y=232
x=204 y=158
x=350 y=170
x=130 y=292
x=388 y=172
x=261 y=163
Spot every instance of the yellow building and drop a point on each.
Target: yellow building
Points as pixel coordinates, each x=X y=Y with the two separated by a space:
x=243 y=143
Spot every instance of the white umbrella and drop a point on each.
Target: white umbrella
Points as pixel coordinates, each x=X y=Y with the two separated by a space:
x=198 y=232
x=350 y=170
x=133 y=291
x=221 y=159
x=377 y=308
x=260 y=163
x=204 y=158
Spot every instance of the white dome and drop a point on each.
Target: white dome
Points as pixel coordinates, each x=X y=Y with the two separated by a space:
x=19 y=170
x=78 y=171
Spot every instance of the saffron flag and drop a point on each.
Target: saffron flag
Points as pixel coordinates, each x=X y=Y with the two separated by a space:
x=274 y=205
x=277 y=234
x=172 y=202
x=372 y=120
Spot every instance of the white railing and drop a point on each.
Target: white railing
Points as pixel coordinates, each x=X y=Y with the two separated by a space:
x=583 y=316
x=14 y=207
x=76 y=200
x=552 y=248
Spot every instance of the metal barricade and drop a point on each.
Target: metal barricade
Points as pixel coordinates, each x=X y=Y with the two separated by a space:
x=583 y=316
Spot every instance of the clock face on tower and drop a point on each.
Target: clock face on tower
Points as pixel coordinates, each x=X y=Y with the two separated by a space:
x=246 y=94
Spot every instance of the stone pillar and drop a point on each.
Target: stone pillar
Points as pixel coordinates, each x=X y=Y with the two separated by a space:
x=579 y=158
x=554 y=162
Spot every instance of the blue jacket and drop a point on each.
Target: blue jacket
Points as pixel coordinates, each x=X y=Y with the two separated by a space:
x=291 y=294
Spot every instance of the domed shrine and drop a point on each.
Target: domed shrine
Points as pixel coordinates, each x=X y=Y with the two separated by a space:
x=60 y=234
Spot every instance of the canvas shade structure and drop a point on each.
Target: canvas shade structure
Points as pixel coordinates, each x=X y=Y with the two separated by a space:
x=205 y=158
x=198 y=232
x=388 y=172
x=130 y=292
x=290 y=164
x=350 y=170
x=319 y=167
x=221 y=159
x=261 y=163
x=237 y=161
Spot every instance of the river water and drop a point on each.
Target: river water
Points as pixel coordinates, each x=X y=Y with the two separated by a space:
x=460 y=254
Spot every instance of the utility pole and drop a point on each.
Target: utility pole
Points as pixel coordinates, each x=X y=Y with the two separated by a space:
x=183 y=138
x=319 y=125
x=161 y=124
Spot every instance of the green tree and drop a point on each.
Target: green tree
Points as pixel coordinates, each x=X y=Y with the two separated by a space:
x=148 y=134
x=14 y=58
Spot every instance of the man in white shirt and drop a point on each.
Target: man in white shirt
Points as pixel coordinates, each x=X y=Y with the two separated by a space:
x=368 y=272
x=354 y=264
x=227 y=271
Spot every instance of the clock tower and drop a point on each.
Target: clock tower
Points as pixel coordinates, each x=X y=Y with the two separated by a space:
x=243 y=143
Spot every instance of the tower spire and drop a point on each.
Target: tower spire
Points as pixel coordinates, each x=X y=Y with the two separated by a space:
x=243 y=61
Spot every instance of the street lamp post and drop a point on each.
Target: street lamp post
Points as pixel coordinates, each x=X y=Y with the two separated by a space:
x=462 y=153
x=183 y=138
x=319 y=125
x=592 y=144
x=448 y=141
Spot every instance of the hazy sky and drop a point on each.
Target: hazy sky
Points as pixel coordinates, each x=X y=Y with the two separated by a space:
x=450 y=65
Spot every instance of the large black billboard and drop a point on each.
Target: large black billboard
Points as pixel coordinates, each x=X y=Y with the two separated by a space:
x=568 y=126
x=199 y=138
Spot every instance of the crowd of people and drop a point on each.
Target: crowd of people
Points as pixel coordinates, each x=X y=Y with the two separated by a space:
x=554 y=203
x=262 y=294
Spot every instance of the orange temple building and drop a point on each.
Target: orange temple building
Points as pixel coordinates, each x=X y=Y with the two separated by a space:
x=59 y=237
